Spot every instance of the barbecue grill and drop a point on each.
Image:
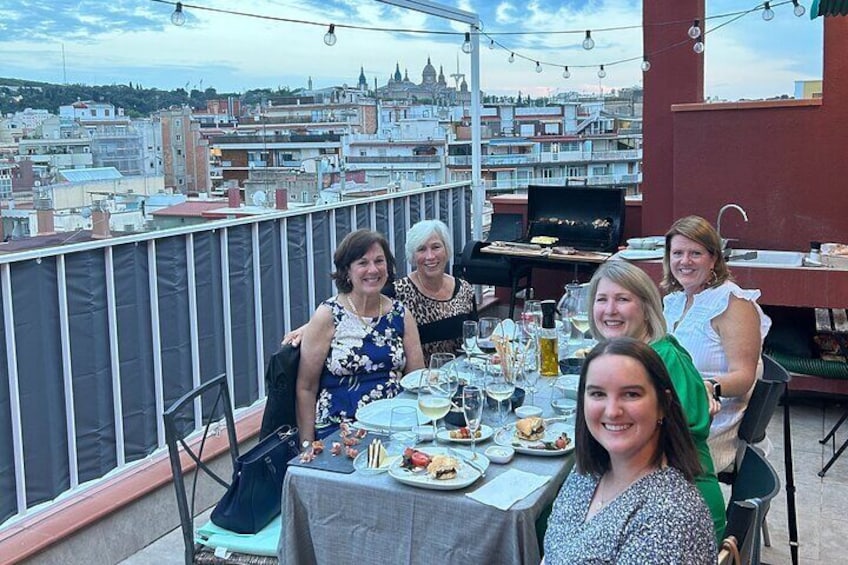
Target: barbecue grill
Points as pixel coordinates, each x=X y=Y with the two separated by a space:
x=587 y=219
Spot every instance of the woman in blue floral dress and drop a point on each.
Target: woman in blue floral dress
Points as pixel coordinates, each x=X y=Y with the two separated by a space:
x=358 y=344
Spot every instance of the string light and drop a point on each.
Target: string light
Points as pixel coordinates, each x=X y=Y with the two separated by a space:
x=695 y=31
x=698 y=47
x=565 y=72
x=538 y=67
x=768 y=13
x=511 y=58
x=330 y=36
x=178 y=17
x=799 y=10
x=588 y=43
x=646 y=65
x=601 y=72
x=466 y=45
x=492 y=44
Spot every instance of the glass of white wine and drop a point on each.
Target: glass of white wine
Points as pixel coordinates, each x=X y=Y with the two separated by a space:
x=499 y=388
x=435 y=396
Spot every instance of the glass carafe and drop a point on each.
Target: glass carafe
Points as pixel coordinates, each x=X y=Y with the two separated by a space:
x=574 y=308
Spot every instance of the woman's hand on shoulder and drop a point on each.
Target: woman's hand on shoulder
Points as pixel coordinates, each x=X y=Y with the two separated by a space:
x=294 y=337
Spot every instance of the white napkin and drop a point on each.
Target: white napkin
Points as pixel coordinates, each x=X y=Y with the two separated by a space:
x=505 y=490
x=507 y=328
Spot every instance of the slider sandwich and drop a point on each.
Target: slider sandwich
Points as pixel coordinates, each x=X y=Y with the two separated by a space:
x=530 y=429
x=443 y=467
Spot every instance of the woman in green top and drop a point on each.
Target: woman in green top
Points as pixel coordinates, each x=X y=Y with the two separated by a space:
x=625 y=302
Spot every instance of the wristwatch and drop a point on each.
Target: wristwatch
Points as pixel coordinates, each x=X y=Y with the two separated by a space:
x=716 y=389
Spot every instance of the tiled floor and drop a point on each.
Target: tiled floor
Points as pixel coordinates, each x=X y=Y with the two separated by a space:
x=822 y=503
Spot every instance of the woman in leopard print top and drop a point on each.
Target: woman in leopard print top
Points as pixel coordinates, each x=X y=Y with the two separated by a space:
x=438 y=301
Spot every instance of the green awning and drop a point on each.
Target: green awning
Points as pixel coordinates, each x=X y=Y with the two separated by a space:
x=828 y=8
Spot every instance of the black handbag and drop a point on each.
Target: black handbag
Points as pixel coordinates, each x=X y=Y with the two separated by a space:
x=253 y=498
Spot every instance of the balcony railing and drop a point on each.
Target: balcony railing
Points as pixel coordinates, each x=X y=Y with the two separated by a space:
x=394 y=159
x=99 y=337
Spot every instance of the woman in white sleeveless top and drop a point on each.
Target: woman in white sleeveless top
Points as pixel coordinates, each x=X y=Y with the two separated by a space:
x=720 y=324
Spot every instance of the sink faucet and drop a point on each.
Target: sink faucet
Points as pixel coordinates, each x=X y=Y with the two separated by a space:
x=721 y=212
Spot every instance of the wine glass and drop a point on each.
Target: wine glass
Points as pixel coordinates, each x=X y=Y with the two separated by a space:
x=435 y=394
x=500 y=388
x=531 y=318
x=469 y=337
x=472 y=409
x=442 y=365
x=486 y=327
x=530 y=374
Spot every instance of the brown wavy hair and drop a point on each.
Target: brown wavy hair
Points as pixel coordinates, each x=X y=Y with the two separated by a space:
x=353 y=247
x=700 y=231
x=675 y=442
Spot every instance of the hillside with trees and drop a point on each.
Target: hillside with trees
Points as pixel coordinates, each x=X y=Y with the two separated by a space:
x=137 y=101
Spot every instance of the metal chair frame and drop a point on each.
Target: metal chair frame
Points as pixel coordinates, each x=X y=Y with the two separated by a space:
x=184 y=409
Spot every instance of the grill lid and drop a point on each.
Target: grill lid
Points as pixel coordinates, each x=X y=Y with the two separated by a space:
x=589 y=219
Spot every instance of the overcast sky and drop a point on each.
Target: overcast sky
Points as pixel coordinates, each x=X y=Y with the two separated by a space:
x=122 y=41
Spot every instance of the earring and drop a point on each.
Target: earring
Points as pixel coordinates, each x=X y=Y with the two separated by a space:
x=660 y=422
x=715 y=276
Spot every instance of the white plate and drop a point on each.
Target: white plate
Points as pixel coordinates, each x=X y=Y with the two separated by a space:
x=378 y=414
x=361 y=463
x=640 y=254
x=465 y=476
x=412 y=380
x=553 y=428
x=485 y=433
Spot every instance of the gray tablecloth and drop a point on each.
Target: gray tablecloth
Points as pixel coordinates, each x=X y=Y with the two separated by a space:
x=373 y=519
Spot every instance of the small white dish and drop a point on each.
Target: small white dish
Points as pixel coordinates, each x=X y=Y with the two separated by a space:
x=528 y=411
x=500 y=454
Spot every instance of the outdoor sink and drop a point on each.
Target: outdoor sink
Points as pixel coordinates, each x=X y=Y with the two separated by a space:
x=765 y=258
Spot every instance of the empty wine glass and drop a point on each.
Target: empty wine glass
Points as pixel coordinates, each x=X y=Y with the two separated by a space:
x=531 y=318
x=486 y=327
x=575 y=308
x=472 y=409
x=530 y=374
x=469 y=337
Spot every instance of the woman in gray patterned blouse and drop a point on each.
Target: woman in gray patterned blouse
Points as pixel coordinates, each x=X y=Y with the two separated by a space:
x=630 y=498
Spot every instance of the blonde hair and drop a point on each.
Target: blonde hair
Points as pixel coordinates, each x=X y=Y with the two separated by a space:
x=635 y=280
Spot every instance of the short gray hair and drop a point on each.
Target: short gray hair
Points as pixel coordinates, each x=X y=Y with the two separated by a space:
x=419 y=233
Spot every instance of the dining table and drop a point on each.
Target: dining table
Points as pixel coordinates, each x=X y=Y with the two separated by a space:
x=366 y=518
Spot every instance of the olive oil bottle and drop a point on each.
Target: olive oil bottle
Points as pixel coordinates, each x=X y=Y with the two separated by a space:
x=548 y=349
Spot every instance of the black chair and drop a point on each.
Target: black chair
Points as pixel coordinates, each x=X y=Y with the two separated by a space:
x=757 y=483
x=479 y=268
x=742 y=516
x=179 y=420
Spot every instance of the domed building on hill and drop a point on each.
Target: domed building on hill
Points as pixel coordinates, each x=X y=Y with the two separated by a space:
x=433 y=87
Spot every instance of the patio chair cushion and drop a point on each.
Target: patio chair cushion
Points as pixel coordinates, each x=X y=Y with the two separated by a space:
x=263 y=542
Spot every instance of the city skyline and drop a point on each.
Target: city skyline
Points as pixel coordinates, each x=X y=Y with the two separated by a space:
x=134 y=41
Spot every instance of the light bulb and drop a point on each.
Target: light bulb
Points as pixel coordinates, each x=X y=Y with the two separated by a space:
x=695 y=31
x=566 y=73
x=178 y=17
x=538 y=67
x=768 y=13
x=646 y=65
x=601 y=72
x=511 y=58
x=491 y=44
x=588 y=43
x=799 y=10
x=466 y=45
x=330 y=36
x=698 y=47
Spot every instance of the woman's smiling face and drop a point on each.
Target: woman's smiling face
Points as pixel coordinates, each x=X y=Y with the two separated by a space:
x=691 y=264
x=621 y=407
x=369 y=273
x=618 y=312
x=431 y=257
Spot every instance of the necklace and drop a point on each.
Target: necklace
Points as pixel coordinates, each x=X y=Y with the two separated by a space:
x=361 y=319
x=438 y=294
